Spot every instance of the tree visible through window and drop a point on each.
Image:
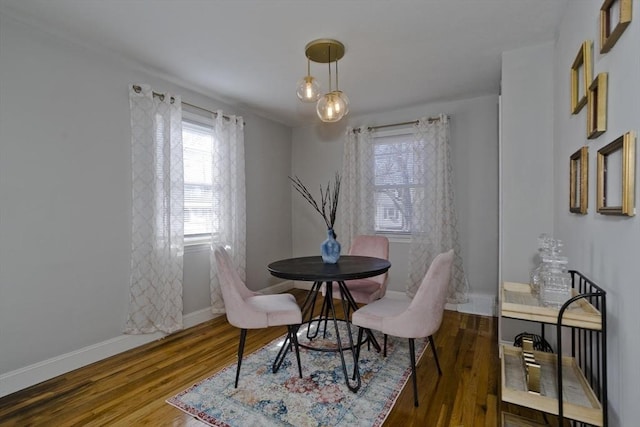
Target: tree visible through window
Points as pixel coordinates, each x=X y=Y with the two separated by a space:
x=394 y=184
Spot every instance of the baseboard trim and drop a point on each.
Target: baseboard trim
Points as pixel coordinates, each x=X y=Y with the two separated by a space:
x=302 y=285
x=279 y=288
x=27 y=376
x=480 y=304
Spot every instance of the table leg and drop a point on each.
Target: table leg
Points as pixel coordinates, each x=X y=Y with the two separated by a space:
x=356 y=372
x=308 y=307
x=324 y=315
x=310 y=300
x=344 y=291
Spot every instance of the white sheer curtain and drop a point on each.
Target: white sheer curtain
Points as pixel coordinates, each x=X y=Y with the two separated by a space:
x=433 y=227
x=229 y=212
x=157 y=215
x=357 y=199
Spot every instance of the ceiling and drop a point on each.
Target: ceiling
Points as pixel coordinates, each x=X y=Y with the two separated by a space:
x=250 y=53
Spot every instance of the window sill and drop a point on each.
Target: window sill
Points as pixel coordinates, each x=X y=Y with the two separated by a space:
x=197 y=240
x=396 y=238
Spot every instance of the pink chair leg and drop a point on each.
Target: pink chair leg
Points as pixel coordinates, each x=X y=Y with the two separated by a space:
x=243 y=336
x=412 y=354
x=385 y=345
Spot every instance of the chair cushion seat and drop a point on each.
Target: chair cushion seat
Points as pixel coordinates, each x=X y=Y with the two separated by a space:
x=378 y=314
x=272 y=310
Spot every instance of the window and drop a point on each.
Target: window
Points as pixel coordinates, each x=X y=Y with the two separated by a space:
x=199 y=194
x=394 y=186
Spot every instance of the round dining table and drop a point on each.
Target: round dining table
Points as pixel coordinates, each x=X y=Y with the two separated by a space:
x=314 y=269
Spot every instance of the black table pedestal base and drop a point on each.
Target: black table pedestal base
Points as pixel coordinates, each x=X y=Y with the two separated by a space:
x=328 y=313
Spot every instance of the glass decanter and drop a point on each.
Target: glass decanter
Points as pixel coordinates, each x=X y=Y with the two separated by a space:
x=556 y=281
x=544 y=248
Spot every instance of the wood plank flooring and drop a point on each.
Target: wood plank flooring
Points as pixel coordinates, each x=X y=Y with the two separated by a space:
x=130 y=389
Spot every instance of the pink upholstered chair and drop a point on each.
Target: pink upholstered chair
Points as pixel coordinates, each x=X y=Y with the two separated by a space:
x=246 y=309
x=367 y=290
x=411 y=318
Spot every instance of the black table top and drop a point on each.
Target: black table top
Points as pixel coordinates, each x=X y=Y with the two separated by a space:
x=313 y=269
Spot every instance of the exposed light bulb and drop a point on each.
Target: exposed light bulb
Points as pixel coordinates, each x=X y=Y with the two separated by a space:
x=308 y=89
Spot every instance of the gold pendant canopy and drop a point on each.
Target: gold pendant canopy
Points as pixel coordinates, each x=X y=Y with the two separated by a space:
x=324 y=50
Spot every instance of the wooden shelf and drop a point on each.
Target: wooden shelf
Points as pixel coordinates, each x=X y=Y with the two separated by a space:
x=580 y=402
x=518 y=303
x=510 y=420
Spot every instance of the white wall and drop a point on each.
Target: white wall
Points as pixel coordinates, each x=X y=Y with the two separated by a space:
x=605 y=248
x=526 y=150
x=65 y=190
x=526 y=163
x=317 y=155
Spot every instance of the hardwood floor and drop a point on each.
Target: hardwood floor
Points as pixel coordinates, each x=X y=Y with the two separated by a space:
x=130 y=389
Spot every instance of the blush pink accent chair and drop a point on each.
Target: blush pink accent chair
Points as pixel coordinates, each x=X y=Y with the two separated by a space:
x=411 y=318
x=246 y=309
x=365 y=291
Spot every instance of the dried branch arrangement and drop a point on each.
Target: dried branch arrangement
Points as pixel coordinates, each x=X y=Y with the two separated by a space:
x=328 y=199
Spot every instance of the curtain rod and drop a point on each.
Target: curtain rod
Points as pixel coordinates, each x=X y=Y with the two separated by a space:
x=161 y=96
x=412 y=122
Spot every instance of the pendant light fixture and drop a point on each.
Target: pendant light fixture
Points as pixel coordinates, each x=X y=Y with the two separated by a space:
x=334 y=104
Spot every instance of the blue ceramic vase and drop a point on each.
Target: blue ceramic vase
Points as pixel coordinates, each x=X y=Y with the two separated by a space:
x=330 y=248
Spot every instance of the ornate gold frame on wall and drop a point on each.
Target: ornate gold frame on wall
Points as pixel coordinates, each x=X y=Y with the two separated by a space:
x=579 y=181
x=609 y=36
x=582 y=62
x=597 y=106
x=625 y=171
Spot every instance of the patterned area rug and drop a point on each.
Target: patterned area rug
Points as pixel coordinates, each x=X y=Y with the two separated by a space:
x=319 y=398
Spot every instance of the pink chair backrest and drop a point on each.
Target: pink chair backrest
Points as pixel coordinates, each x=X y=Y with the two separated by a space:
x=373 y=246
x=234 y=291
x=428 y=303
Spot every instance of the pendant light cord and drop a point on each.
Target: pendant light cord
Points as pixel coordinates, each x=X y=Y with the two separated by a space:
x=329 y=63
x=337 y=86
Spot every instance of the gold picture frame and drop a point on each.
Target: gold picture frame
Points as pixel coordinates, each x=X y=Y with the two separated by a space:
x=579 y=181
x=581 y=75
x=616 y=177
x=597 y=106
x=612 y=27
